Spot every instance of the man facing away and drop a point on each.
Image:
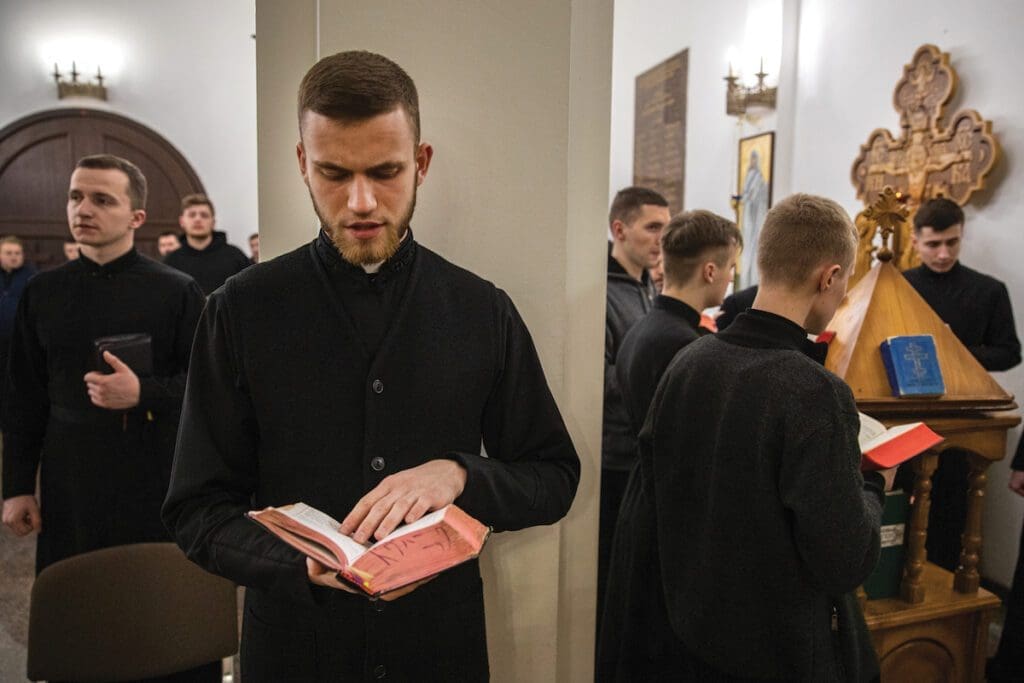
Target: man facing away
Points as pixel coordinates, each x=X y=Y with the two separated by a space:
x=764 y=522
x=367 y=395
x=635 y=219
x=101 y=441
x=977 y=309
x=205 y=254
x=699 y=251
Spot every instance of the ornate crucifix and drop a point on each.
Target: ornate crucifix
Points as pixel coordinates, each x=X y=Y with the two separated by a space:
x=931 y=158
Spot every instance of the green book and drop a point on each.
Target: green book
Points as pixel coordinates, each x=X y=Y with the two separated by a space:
x=884 y=582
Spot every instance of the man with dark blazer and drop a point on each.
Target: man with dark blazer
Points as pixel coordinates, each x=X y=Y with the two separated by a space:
x=368 y=395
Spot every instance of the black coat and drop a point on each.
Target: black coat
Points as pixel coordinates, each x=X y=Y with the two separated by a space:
x=764 y=522
x=976 y=307
x=636 y=641
x=647 y=350
x=210 y=266
x=103 y=473
x=290 y=407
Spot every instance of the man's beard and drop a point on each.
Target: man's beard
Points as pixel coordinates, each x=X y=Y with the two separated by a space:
x=367 y=252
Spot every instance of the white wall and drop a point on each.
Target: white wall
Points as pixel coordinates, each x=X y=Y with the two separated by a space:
x=649 y=31
x=186 y=69
x=840 y=63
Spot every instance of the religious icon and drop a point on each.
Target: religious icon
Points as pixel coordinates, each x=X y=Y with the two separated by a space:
x=753 y=198
x=933 y=157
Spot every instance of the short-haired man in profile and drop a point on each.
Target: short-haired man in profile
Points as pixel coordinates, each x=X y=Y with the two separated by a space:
x=167 y=242
x=977 y=309
x=699 y=251
x=408 y=364
x=764 y=523
x=205 y=254
x=635 y=220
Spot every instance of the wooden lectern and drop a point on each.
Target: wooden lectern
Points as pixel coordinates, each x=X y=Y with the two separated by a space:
x=937 y=630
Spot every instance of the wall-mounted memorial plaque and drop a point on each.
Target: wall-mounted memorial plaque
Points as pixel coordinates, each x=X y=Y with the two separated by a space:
x=659 y=129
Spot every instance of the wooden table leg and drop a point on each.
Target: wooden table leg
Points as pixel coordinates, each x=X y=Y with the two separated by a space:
x=911 y=589
x=967 y=577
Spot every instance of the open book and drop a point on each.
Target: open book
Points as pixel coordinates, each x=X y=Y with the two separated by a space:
x=883 y=448
x=428 y=546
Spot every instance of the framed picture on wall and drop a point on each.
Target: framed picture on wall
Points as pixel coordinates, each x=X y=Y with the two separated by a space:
x=753 y=199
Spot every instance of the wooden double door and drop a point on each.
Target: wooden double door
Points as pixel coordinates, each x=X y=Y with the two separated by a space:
x=38 y=153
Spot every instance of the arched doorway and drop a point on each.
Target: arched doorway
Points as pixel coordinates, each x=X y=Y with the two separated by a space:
x=37 y=154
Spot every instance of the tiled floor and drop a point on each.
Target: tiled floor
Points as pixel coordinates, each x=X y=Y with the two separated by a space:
x=17 y=561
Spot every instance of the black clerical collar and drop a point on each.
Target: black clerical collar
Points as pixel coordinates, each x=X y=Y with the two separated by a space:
x=765 y=330
x=399 y=261
x=678 y=308
x=118 y=265
x=955 y=270
x=615 y=268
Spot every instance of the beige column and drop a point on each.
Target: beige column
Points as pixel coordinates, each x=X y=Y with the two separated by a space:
x=515 y=98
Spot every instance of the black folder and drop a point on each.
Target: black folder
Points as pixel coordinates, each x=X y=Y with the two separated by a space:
x=134 y=350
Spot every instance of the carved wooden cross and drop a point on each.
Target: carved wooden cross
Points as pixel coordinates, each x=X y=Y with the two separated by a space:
x=931 y=158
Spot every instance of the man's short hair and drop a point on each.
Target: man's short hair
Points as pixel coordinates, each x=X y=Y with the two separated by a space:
x=253 y=236
x=801 y=233
x=630 y=201
x=695 y=237
x=358 y=85
x=11 y=239
x=168 y=233
x=196 y=199
x=938 y=214
x=137 y=188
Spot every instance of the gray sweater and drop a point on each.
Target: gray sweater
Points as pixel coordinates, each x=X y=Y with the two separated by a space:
x=764 y=520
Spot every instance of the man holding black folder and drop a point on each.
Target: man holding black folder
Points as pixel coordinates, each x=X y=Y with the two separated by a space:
x=388 y=383
x=98 y=360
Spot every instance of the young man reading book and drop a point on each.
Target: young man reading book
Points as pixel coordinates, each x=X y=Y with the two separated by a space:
x=699 y=251
x=764 y=522
x=366 y=395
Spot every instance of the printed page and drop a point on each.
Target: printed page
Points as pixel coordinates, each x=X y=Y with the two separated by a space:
x=326 y=525
x=421 y=523
x=885 y=436
x=870 y=429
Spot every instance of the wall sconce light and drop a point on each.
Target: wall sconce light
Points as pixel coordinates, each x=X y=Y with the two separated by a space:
x=75 y=88
x=739 y=97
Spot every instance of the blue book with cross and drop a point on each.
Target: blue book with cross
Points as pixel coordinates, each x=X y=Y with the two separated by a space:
x=912 y=366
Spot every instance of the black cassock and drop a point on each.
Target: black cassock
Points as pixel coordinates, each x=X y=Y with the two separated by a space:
x=636 y=641
x=312 y=381
x=103 y=473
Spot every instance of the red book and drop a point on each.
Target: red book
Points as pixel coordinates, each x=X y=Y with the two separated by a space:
x=883 y=448
x=428 y=546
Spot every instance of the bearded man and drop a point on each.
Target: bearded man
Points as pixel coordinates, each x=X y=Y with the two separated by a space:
x=367 y=394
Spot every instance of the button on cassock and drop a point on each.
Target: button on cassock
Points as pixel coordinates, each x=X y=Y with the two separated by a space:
x=377 y=464
x=378 y=386
x=379 y=671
